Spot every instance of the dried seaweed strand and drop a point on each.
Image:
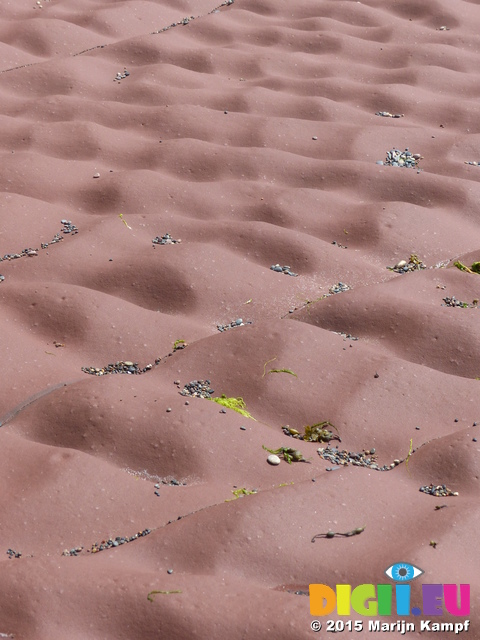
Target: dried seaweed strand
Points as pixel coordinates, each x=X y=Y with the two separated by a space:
x=333 y=534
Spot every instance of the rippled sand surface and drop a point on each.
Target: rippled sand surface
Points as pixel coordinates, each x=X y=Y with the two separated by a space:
x=249 y=132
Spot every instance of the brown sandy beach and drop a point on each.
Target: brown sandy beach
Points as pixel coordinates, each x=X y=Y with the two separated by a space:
x=257 y=134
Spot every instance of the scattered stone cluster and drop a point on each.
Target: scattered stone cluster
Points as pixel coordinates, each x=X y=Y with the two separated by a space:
x=341 y=246
x=474 y=162
x=453 y=302
x=339 y=288
x=347 y=336
x=366 y=458
x=197 y=389
x=235 y=323
x=387 y=114
x=121 y=76
x=130 y=368
x=285 y=270
x=165 y=239
x=414 y=264
x=13 y=554
x=171 y=483
x=440 y=490
x=397 y=158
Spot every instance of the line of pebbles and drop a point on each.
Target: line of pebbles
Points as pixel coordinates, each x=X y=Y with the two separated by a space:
x=235 y=323
x=366 y=458
x=387 y=114
x=185 y=21
x=127 y=367
x=111 y=543
x=13 y=554
x=67 y=228
x=339 y=287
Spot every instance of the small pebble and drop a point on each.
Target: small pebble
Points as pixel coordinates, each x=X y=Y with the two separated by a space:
x=417 y=428
x=96 y=175
x=273 y=460
x=314 y=138
x=474 y=440
x=169 y=409
x=243 y=428
x=223 y=411
x=170 y=571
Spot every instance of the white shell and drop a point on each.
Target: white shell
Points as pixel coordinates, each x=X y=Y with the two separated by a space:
x=402 y=263
x=273 y=460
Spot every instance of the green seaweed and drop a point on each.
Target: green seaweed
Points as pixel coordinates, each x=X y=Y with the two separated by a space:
x=289 y=454
x=475 y=267
x=462 y=266
x=264 y=366
x=410 y=451
x=318 y=433
x=240 y=492
x=283 y=371
x=152 y=593
x=177 y=344
x=236 y=404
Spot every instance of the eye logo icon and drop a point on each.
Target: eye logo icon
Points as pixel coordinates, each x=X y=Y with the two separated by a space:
x=403 y=572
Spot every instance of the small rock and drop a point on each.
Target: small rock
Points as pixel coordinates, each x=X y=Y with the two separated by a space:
x=273 y=460
x=96 y=175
